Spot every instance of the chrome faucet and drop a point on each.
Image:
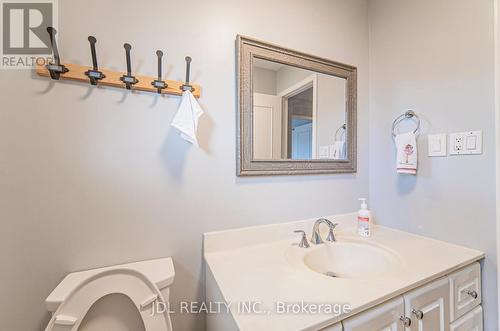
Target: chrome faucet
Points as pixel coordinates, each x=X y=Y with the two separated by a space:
x=316 y=236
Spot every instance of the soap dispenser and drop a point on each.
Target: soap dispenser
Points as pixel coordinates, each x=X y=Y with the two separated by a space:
x=364 y=219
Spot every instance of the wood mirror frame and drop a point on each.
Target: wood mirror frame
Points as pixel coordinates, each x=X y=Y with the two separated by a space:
x=246 y=50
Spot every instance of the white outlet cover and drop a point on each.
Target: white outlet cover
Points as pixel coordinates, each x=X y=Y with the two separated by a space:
x=466 y=143
x=437 y=144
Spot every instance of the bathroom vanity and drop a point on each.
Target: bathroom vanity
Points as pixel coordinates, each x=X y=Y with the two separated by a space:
x=391 y=281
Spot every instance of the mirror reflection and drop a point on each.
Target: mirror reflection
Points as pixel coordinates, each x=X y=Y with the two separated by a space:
x=297 y=114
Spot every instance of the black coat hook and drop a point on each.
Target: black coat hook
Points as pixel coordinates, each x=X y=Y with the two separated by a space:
x=158 y=83
x=94 y=75
x=55 y=68
x=186 y=86
x=128 y=79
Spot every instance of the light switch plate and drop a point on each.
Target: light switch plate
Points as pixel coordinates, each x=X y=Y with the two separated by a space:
x=466 y=143
x=437 y=144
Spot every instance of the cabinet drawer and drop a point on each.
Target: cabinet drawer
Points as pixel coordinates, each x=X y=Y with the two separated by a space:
x=472 y=321
x=465 y=290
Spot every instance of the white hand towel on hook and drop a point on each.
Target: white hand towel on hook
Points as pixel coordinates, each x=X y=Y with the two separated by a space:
x=339 y=152
x=406 y=146
x=186 y=119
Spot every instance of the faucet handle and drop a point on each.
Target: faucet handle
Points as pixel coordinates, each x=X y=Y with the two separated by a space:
x=303 y=240
x=331 y=235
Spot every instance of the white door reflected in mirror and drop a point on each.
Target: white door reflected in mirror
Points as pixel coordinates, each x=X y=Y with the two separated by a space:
x=298 y=114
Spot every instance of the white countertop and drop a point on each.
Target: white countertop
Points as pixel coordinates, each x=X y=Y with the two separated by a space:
x=250 y=265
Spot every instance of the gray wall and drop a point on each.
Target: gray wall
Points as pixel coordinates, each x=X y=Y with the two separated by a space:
x=287 y=76
x=264 y=81
x=93 y=177
x=436 y=57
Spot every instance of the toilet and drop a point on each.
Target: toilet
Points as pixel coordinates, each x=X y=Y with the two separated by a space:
x=145 y=283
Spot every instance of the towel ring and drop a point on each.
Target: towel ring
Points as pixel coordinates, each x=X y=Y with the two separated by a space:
x=342 y=128
x=408 y=115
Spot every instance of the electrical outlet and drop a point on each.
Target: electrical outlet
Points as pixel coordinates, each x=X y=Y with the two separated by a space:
x=458 y=143
x=464 y=143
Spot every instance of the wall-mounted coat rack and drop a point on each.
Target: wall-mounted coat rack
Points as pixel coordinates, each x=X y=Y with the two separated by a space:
x=99 y=76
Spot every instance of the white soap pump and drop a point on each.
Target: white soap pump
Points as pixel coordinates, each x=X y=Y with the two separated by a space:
x=364 y=219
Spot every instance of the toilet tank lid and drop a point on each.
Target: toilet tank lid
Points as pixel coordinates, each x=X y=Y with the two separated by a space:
x=159 y=271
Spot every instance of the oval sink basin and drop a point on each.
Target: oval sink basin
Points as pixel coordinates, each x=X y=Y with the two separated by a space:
x=350 y=259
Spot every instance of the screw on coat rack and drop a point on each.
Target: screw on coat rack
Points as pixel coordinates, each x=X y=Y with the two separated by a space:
x=128 y=79
x=186 y=86
x=158 y=83
x=94 y=75
x=55 y=69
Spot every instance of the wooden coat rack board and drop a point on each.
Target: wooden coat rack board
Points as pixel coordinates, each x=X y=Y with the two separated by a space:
x=98 y=76
x=77 y=73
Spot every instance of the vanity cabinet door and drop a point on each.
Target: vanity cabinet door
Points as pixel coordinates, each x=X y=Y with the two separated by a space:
x=385 y=317
x=428 y=307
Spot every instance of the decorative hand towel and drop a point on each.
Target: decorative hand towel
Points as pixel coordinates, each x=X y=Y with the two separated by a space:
x=339 y=150
x=186 y=119
x=406 y=146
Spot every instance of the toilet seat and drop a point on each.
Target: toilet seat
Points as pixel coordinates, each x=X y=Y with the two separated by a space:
x=79 y=291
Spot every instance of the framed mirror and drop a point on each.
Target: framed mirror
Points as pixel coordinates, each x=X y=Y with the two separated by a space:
x=297 y=112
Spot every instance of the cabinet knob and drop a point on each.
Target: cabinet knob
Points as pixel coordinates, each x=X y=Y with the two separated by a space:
x=418 y=314
x=406 y=321
x=473 y=294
